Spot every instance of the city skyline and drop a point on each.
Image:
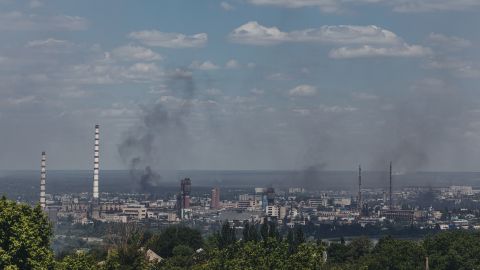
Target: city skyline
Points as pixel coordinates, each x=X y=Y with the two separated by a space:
x=252 y=84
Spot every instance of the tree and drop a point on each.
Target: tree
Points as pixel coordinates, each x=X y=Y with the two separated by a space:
x=249 y=232
x=25 y=234
x=395 y=254
x=182 y=258
x=246 y=231
x=227 y=235
x=164 y=243
x=78 y=261
x=359 y=247
x=453 y=250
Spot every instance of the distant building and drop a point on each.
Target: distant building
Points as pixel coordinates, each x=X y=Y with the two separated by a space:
x=461 y=190
x=215 y=200
x=135 y=212
x=250 y=204
x=315 y=202
x=272 y=211
x=294 y=190
x=246 y=197
x=398 y=215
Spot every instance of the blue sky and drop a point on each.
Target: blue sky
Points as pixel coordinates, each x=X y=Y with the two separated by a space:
x=241 y=84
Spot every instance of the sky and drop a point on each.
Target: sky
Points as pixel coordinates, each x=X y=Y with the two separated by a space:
x=241 y=84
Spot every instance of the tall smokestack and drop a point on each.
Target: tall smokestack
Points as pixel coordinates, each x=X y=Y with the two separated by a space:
x=43 y=177
x=390 y=191
x=96 y=162
x=360 y=189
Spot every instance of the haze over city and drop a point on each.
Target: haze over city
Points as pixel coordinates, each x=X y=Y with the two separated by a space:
x=254 y=84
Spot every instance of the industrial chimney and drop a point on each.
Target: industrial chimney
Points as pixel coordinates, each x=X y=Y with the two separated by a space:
x=96 y=160
x=390 y=191
x=360 y=204
x=43 y=174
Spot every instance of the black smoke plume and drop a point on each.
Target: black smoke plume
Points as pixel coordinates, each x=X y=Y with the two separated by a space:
x=160 y=140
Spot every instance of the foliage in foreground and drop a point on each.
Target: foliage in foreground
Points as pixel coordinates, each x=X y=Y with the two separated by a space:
x=25 y=244
x=25 y=234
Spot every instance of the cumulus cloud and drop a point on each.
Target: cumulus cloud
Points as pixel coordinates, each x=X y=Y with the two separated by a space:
x=135 y=53
x=359 y=41
x=156 y=38
x=255 y=34
x=303 y=90
x=18 y=21
x=206 y=65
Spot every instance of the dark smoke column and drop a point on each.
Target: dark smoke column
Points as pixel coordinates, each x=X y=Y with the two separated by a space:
x=183 y=201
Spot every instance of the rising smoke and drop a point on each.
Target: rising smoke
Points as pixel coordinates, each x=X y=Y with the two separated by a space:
x=161 y=139
x=419 y=126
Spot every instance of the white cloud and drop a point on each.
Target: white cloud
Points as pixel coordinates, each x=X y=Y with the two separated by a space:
x=359 y=41
x=303 y=90
x=232 y=63
x=324 y=5
x=459 y=68
x=433 y=5
x=49 y=43
x=156 y=38
x=21 y=100
x=396 y=5
x=257 y=91
x=448 y=42
x=227 y=6
x=251 y=65
x=207 y=65
x=109 y=73
x=336 y=109
x=303 y=112
x=403 y=50
x=278 y=77
x=253 y=33
x=17 y=21
x=35 y=4
x=135 y=53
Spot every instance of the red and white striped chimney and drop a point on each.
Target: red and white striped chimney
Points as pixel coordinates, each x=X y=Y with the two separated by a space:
x=96 y=162
x=43 y=177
